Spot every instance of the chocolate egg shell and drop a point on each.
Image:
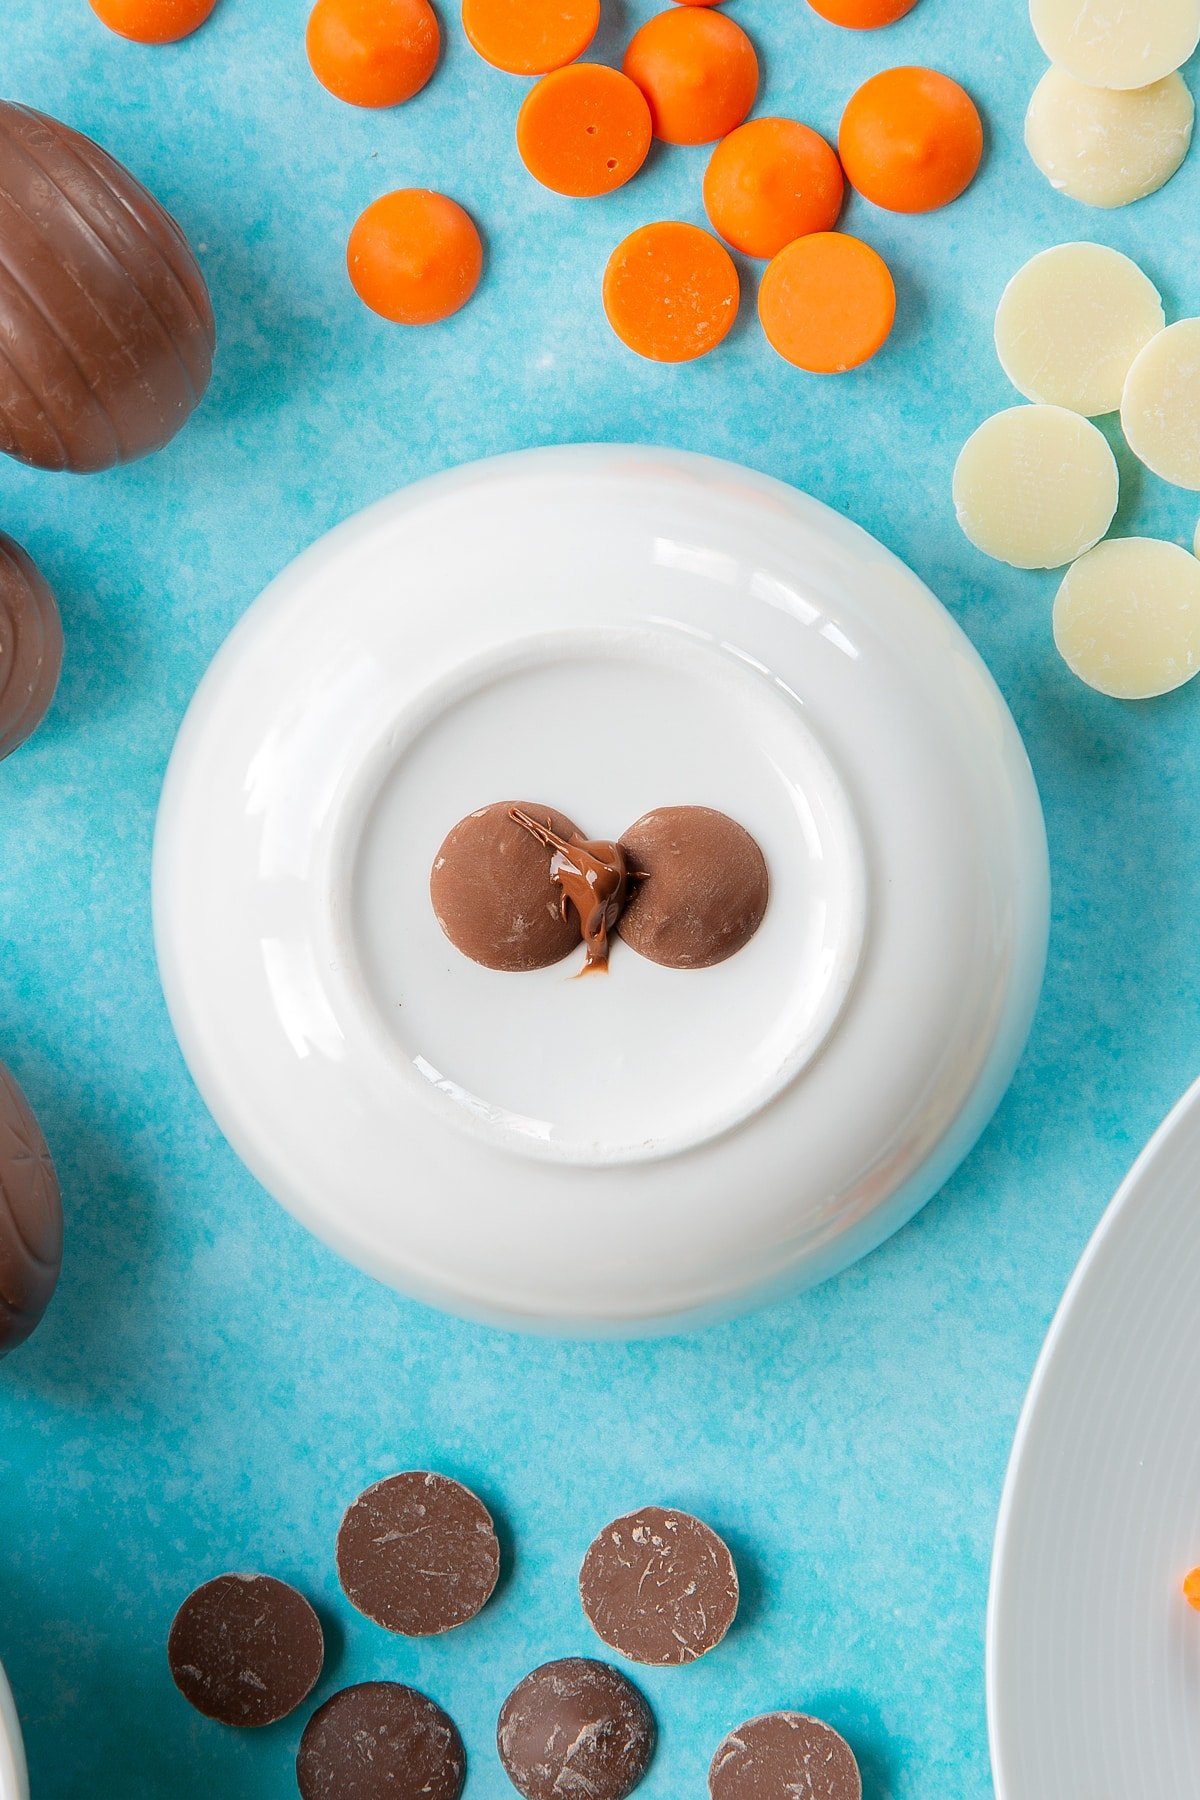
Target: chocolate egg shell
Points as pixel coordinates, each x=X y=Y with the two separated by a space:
x=106 y=328
x=30 y=1218
x=31 y=646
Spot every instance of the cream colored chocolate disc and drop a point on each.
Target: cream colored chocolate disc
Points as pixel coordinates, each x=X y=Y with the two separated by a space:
x=1117 y=43
x=1035 y=486
x=1160 y=408
x=1070 y=323
x=1127 y=618
x=1105 y=146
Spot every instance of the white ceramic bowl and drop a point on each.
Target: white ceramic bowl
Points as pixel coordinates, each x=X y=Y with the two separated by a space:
x=1093 y=1663
x=602 y=630
x=14 y=1783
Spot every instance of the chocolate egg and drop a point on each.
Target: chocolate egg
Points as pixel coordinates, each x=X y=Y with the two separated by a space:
x=31 y=646
x=30 y=1218
x=106 y=328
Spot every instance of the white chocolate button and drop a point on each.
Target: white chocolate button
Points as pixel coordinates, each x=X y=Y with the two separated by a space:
x=1070 y=323
x=1160 y=408
x=1127 y=618
x=1104 y=147
x=1117 y=43
x=1035 y=486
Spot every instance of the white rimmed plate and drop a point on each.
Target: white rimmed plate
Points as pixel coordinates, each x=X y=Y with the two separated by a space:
x=605 y=631
x=1093 y=1654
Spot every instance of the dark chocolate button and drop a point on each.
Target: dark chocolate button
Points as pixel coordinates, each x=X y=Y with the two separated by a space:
x=106 y=330
x=246 y=1649
x=660 y=1587
x=575 y=1728
x=418 y=1553
x=493 y=894
x=31 y=646
x=31 y=1228
x=380 y=1741
x=782 y=1755
x=704 y=888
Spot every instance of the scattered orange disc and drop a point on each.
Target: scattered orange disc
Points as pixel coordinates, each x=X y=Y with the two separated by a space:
x=530 y=37
x=1191 y=1589
x=770 y=181
x=671 y=291
x=911 y=140
x=862 y=15
x=697 y=69
x=373 y=52
x=152 y=21
x=584 y=130
x=827 y=302
x=414 y=256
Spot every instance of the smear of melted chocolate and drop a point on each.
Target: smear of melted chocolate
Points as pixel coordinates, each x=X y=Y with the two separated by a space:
x=594 y=877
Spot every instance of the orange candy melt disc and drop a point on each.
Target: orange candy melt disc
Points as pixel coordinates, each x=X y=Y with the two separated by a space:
x=373 y=52
x=770 y=181
x=862 y=15
x=827 y=303
x=671 y=291
x=697 y=69
x=414 y=256
x=584 y=130
x=1191 y=1589
x=911 y=140
x=152 y=21
x=530 y=37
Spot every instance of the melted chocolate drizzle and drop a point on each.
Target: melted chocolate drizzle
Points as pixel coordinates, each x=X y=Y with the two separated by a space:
x=594 y=878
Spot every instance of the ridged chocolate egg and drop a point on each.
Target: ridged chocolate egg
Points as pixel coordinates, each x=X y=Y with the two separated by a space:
x=31 y=646
x=30 y=1218
x=106 y=328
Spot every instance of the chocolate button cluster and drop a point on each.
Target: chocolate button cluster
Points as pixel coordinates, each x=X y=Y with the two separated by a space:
x=418 y=1554
x=517 y=886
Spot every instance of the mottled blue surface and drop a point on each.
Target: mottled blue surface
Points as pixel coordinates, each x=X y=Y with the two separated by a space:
x=212 y=1386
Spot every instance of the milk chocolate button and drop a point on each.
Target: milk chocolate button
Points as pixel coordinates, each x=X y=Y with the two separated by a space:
x=106 y=330
x=31 y=1226
x=784 y=1754
x=380 y=1741
x=660 y=1587
x=418 y=1553
x=703 y=890
x=575 y=1727
x=31 y=646
x=246 y=1649
x=493 y=894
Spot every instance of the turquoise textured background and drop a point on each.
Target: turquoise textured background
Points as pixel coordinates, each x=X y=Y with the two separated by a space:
x=212 y=1386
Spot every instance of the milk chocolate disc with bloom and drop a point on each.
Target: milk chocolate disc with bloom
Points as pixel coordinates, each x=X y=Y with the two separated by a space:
x=781 y=1754
x=659 y=1586
x=380 y=1741
x=246 y=1649
x=418 y=1553
x=575 y=1727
